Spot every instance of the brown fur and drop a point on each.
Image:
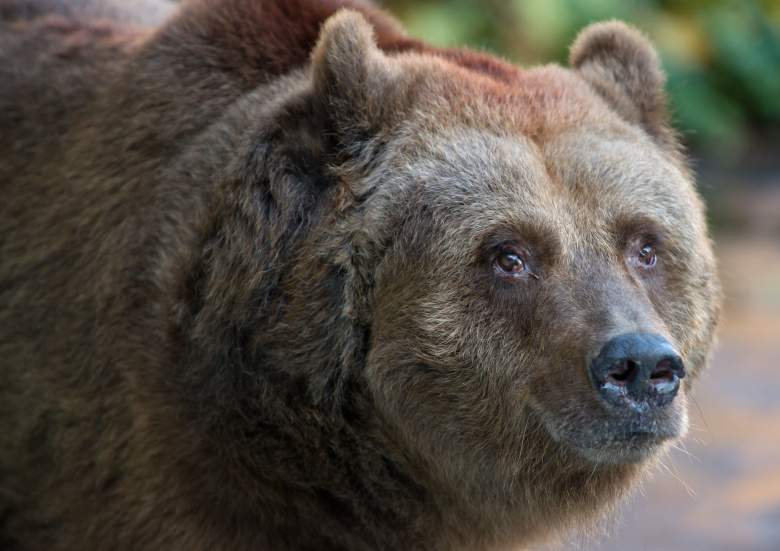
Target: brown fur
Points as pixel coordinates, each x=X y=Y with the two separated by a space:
x=246 y=292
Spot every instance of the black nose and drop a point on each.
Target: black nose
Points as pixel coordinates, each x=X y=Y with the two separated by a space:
x=637 y=370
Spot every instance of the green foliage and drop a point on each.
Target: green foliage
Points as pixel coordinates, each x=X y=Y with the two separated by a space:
x=722 y=57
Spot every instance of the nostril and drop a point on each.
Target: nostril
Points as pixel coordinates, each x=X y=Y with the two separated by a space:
x=623 y=372
x=666 y=375
x=663 y=371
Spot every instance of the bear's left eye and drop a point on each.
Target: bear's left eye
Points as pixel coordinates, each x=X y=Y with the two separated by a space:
x=510 y=262
x=646 y=256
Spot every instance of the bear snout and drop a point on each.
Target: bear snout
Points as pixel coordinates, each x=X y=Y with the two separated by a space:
x=637 y=372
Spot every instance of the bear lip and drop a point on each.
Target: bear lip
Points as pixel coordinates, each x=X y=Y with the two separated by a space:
x=634 y=437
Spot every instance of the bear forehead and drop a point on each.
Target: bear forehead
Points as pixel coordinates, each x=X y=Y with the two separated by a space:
x=577 y=183
x=545 y=134
x=537 y=103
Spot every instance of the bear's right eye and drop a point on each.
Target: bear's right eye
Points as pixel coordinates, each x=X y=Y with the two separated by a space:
x=511 y=262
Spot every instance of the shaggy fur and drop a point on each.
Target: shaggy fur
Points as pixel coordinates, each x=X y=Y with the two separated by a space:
x=247 y=298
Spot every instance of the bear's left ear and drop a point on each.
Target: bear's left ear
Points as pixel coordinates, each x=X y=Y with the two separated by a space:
x=623 y=67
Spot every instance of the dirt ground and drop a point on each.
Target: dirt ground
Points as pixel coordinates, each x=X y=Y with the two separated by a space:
x=721 y=490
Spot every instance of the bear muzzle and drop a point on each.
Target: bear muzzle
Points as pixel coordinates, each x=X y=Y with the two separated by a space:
x=637 y=372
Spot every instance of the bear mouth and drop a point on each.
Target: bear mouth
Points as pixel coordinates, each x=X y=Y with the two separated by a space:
x=633 y=442
x=635 y=447
x=613 y=439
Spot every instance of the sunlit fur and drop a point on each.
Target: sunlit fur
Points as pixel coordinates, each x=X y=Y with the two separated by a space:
x=246 y=295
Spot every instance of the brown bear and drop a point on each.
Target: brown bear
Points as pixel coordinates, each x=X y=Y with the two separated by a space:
x=276 y=276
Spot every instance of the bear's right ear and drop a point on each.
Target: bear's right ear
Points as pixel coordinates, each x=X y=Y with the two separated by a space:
x=350 y=73
x=623 y=68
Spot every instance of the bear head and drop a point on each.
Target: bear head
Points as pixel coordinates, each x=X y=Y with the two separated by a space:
x=503 y=276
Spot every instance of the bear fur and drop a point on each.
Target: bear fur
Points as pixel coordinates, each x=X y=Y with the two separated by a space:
x=246 y=295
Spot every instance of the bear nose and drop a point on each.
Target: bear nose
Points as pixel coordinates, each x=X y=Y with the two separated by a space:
x=637 y=370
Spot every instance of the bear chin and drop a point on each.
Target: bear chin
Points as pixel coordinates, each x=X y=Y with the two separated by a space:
x=621 y=441
x=632 y=449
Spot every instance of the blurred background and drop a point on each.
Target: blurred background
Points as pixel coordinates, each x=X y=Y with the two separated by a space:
x=721 y=490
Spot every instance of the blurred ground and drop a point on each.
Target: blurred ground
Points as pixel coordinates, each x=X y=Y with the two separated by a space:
x=722 y=491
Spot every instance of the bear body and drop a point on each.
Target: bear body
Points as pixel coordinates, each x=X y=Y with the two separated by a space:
x=274 y=275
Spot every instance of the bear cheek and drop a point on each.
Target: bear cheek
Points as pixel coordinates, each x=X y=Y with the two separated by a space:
x=442 y=390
